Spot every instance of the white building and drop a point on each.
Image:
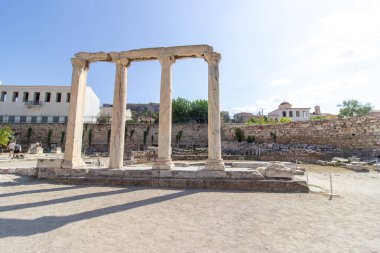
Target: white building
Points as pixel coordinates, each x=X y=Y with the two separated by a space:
x=242 y=117
x=285 y=110
x=106 y=111
x=42 y=104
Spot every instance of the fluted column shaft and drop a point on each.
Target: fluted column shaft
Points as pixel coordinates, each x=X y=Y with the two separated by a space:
x=214 y=161
x=118 y=116
x=164 y=160
x=74 y=131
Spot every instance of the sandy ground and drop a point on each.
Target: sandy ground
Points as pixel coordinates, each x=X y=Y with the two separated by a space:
x=38 y=216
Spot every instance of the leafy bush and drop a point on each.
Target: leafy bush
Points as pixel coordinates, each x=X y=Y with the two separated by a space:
x=285 y=120
x=239 y=134
x=6 y=135
x=251 y=138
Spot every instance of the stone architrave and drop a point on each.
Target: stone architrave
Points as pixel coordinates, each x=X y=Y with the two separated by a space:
x=73 y=146
x=164 y=160
x=214 y=161
x=118 y=115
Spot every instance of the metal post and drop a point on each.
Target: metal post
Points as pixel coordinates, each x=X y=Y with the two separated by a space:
x=331 y=188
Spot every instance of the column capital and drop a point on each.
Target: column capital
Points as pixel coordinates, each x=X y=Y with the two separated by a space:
x=77 y=62
x=118 y=59
x=212 y=57
x=166 y=59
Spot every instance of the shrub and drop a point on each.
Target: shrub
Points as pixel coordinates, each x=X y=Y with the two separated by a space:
x=239 y=134
x=274 y=136
x=251 y=139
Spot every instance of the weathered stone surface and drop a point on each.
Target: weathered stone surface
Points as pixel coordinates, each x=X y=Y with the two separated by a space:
x=356 y=168
x=8 y=171
x=252 y=165
x=79 y=172
x=47 y=172
x=322 y=163
x=278 y=170
x=251 y=174
x=178 y=174
x=142 y=173
x=105 y=173
x=211 y=174
x=340 y=160
x=27 y=171
x=49 y=163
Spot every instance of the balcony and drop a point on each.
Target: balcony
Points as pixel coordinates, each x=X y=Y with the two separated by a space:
x=33 y=103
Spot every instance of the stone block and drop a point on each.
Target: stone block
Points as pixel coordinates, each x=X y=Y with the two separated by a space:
x=78 y=172
x=178 y=174
x=48 y=173
x=220 y=184
x=253 y=165
x=105 y=173
x=142 y=173
x=7 y=170
x=95 y=180
x=114 y=180
x=27 y=171
x=211 y=174
x=195 y=183
x=340 y=160
x=142 y=182
x=251 y=174
x=278 y=170
x=173 y=183
x=49 y=163
x=181 y=164
x=63 y=172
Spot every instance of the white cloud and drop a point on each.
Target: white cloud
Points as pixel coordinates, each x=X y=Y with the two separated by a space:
x=281 y=82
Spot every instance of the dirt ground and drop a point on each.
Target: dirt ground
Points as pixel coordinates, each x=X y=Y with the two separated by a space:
x=38 y=216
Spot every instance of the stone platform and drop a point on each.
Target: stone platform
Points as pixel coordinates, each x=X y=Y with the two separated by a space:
x=242 y=179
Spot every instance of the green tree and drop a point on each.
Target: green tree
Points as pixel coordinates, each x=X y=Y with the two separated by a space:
x=181 y=109
x=352 y=107
x=6 y=134
x=199 y=111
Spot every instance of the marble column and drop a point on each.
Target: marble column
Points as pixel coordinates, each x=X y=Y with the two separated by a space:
x=74 y=131
x=118 y=116
x=214 y=161
x=164 y=160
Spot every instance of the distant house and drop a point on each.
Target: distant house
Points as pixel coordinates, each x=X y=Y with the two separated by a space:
x=285 y=109
x=242 y=117
x=317 y=112
x=106 y=111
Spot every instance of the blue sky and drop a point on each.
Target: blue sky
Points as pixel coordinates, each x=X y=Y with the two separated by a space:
x=304 y=51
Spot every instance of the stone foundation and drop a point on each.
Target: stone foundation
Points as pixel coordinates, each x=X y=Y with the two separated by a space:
x=240 y=179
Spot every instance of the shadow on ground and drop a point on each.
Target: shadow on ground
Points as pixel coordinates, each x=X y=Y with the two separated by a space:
x=24 y=227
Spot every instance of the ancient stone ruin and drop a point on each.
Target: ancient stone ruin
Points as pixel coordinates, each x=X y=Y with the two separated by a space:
x=167 y=56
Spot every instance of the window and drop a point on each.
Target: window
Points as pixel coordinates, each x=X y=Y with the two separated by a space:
x=3 y=96
x=68 y=97
x=47 y=96
x=297 y=114
x=36 y=97
x=291 y=114
x=58 y=98
x=284 y=114
x=25 y=98
x=15 y=97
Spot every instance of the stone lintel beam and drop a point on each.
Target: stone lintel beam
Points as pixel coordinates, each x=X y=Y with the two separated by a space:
x=119 y=59
x=93 y=57
x=196 y=51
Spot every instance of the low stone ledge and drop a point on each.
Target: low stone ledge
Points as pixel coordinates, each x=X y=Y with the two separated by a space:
x=279 y=186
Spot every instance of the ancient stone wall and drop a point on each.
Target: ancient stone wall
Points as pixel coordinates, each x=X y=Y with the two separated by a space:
x=353 y=134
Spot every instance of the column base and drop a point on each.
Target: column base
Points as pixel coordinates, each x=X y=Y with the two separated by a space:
x=77 y=163
x=163 y=164
x=214 y=164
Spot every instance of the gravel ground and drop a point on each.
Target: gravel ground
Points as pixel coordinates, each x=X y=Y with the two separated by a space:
x=37 y=216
